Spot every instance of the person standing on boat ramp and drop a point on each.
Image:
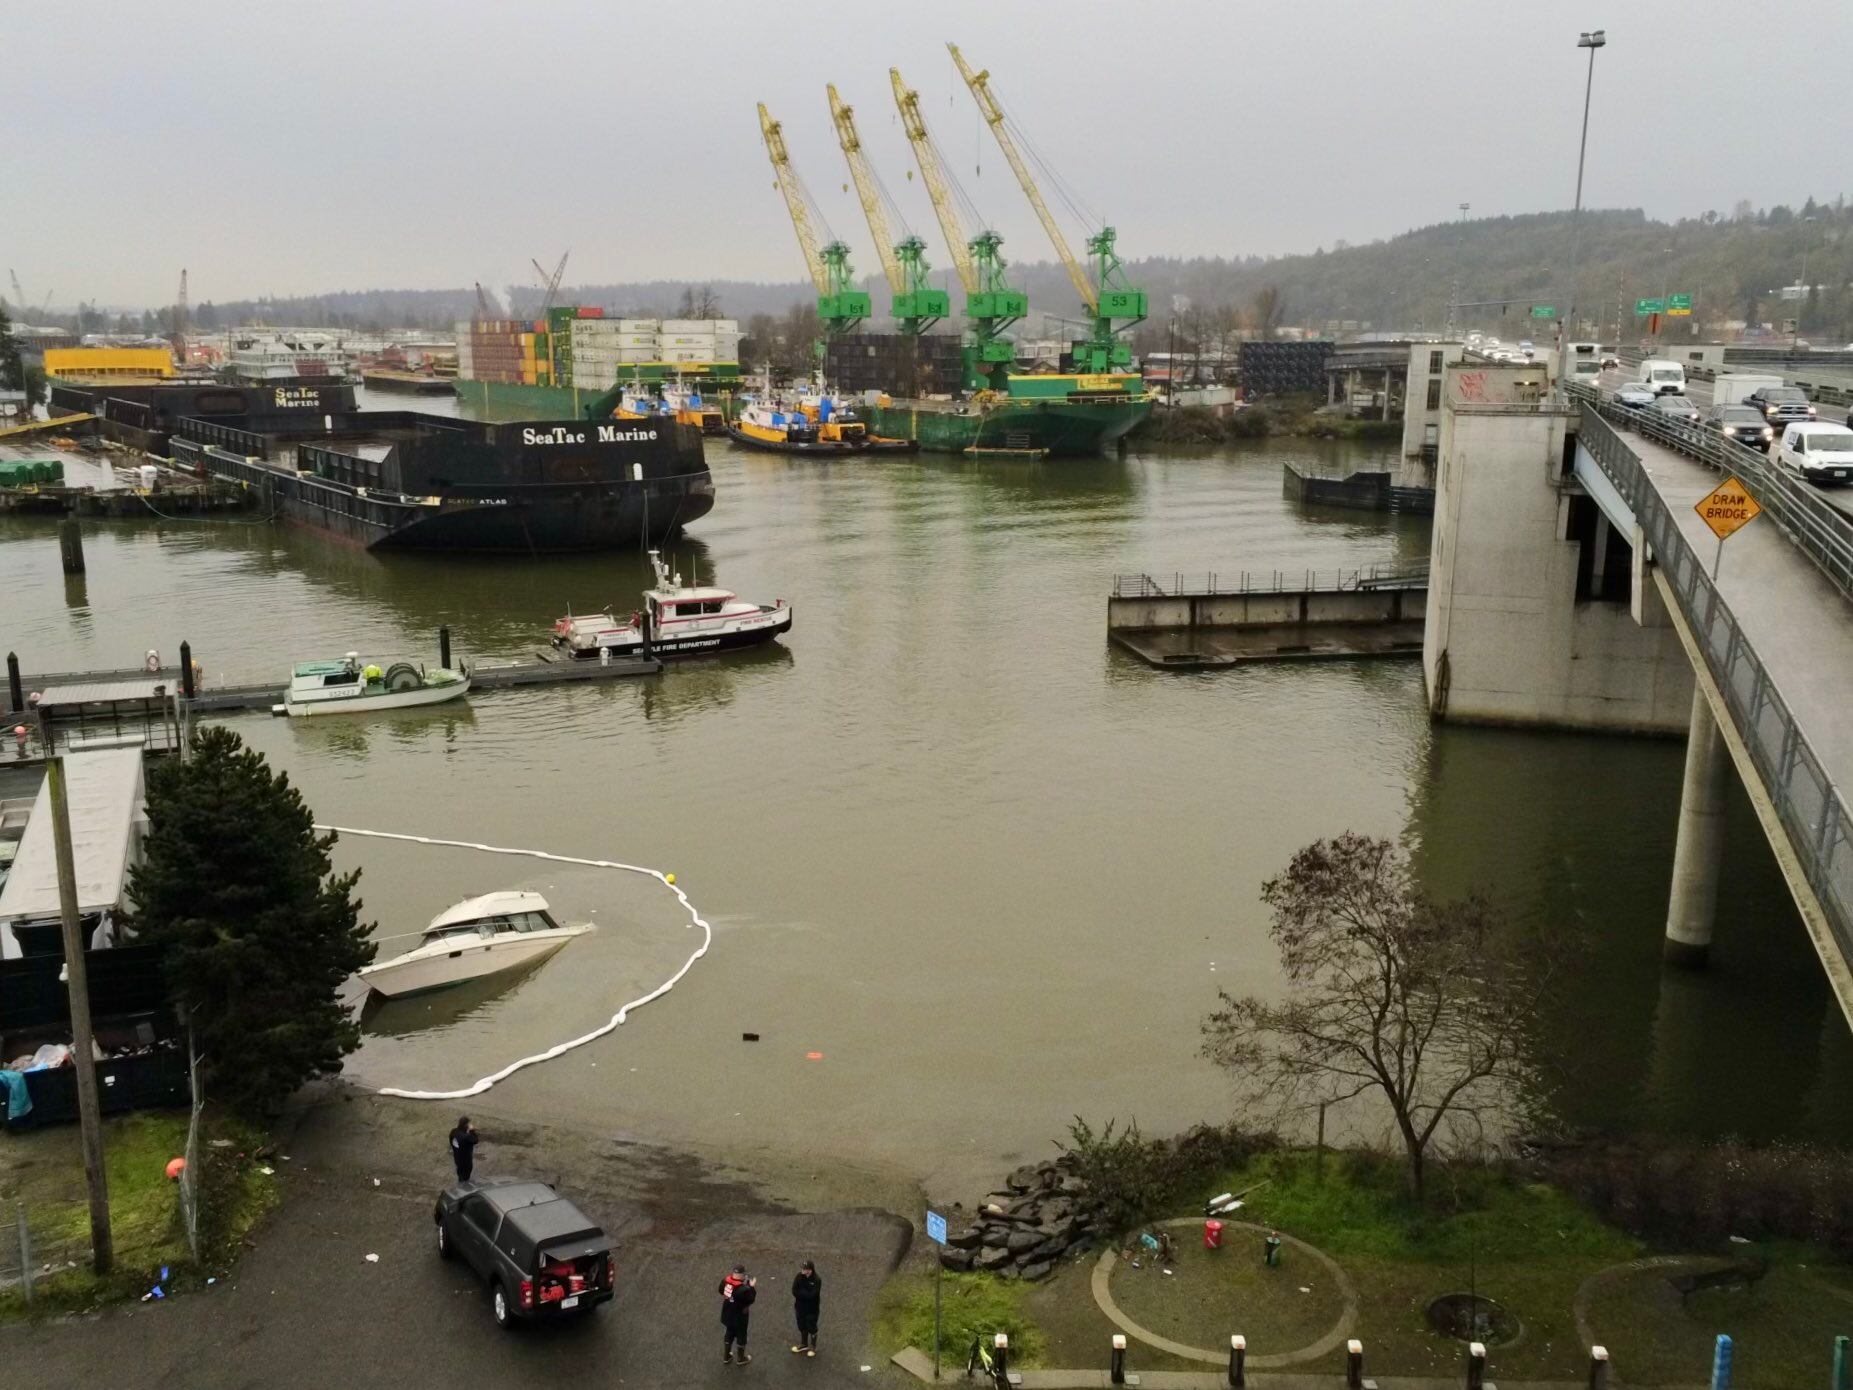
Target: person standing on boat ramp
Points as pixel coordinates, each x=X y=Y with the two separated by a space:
x=737 y=1295
x=463 y=1148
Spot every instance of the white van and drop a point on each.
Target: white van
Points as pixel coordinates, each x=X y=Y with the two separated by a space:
x=1585 y=361
x=1663 y=376
x=1820 y=453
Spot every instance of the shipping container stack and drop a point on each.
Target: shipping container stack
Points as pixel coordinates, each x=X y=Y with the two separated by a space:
x=580 y=347
x=1280 y=369
x=927 y=365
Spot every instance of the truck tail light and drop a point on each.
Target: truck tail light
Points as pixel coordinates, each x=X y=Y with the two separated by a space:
x=611 y=1272
x=527 y=1293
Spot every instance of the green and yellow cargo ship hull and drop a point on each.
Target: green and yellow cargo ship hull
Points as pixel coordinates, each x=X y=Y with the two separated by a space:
x=1039 y=416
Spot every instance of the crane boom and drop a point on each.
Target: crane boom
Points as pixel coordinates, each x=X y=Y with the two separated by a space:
x=844 y=117
x=938 y=189
x=774 y=137
x=980 y=84
x=18 y=294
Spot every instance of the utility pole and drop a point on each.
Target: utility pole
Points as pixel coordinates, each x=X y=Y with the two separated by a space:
x=102 y=1245
x=1454 y=287
x=1801 y=306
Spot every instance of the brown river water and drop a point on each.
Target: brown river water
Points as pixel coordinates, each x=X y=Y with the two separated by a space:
x=992 y=869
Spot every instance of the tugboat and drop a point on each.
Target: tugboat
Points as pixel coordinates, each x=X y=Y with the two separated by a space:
x=347 y=687
x=814 y=423
x=676 y=620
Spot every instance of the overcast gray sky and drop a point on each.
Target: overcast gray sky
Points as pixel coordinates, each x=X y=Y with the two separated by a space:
x=288 y=148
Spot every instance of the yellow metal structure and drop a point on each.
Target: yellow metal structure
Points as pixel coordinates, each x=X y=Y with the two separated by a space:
x=111 y=362
x=938 y=189
x=980 y=83
x=774 y=137
x=844 y=118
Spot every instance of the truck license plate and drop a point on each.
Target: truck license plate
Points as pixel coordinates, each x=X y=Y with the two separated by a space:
x=572 y=1302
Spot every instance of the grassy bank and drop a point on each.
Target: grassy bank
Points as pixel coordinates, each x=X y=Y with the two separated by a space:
x=1188 y=425
x=1526 y=1245
x=44 y=1170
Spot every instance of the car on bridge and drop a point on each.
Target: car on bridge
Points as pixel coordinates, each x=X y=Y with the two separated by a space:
x=1820 y=453
x=1782 y=405
x=1635 y=395
x=540 y=1255
x=1675 y=408
x=1741 y=423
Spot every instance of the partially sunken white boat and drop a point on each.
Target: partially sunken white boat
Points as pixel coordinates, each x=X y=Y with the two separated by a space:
x=348 y=687
x=478 y=937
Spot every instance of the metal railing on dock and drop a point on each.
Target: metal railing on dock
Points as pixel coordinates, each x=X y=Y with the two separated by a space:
x=1409 y=575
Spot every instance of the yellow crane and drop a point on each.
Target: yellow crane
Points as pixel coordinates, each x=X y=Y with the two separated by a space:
x=916 y=306
x=980 y=84
x=1105 y=293
x=839 y=304
x=991 y=304
x=939 y=188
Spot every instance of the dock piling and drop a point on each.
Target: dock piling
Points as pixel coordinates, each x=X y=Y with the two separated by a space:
x=444 y=647
x=186 y=669
x=15 y=688
x=71 y=545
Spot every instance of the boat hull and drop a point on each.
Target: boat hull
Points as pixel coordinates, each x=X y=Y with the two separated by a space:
x=417 y=972
x=830 y=448
x=385 y=699
x=1028 y=427
x=697 y=644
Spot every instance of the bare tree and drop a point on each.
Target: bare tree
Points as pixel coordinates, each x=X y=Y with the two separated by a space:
x=1426 y=1004
x=1266 y=310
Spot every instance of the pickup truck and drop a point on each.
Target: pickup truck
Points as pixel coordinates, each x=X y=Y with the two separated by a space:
x=1782 y=405
x=540 y=1255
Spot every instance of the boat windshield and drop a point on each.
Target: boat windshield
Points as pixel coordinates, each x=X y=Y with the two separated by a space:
x=491 y=926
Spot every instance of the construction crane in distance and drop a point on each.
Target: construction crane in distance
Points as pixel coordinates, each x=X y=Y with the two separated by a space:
x=917 y=305
x=840 y=304
x=991 y=305
x=549 y=283
x=483 y=311
x=1113 y=306
x=19 y=295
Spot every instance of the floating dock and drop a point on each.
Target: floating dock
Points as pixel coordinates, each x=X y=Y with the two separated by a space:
x=1193 y=622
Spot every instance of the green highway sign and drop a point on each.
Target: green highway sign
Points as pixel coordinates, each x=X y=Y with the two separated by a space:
x=1675 y=303
x=1544 y=311
x=1644 y=307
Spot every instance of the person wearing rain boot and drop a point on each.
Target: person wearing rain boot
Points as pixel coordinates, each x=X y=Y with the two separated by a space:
x=807 y=1297
x=737 y=1295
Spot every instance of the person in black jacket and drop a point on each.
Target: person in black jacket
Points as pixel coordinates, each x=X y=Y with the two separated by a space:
x=463 y=1148
x=737 y=1295
x=807 y=1298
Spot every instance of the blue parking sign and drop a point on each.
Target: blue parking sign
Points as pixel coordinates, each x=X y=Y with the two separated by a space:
x=936 y=1228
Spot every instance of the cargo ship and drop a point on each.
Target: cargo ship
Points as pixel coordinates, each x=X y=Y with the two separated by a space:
x=1039 y=416
x=405 y=480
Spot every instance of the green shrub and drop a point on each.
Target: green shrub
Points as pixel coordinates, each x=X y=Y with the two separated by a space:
x=1251 y=423
x=1133 y=1177
x=974 y=1305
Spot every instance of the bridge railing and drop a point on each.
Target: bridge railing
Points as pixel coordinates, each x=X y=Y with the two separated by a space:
x=1810 y=806
x=1820 y=530
x=1412 y=575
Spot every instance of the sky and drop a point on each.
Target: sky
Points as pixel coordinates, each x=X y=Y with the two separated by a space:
x=283 y=149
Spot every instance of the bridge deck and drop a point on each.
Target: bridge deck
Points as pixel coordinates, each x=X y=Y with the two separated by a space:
x=1794 y=618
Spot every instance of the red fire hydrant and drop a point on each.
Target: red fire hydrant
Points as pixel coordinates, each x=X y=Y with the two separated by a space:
x=1212 y=1234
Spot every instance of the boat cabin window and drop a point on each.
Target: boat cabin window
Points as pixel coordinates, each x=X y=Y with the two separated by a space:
x=691 y=608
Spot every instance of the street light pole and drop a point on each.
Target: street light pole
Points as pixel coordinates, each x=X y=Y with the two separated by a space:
x=1454 y=287
x=1591 y=41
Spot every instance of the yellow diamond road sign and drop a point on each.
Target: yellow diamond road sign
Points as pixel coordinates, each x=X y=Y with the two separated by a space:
x=1727 y=507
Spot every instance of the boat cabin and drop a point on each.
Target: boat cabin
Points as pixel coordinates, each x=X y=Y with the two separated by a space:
x=491 y=914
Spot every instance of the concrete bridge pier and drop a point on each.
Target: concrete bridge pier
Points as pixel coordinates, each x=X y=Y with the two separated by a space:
x=1698 y=853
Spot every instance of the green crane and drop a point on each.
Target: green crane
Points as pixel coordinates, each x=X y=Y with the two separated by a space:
x=1113 y=306
x=991 y=303
x=916 y=304
x=840 y=304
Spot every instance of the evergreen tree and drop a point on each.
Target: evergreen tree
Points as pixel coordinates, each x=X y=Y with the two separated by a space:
x=259 y=931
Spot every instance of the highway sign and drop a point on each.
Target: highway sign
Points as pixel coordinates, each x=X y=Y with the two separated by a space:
x=936 y=1224
x=1679 y=304
x=1644 y=307
x=1727 y=507
x=1544 y=311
